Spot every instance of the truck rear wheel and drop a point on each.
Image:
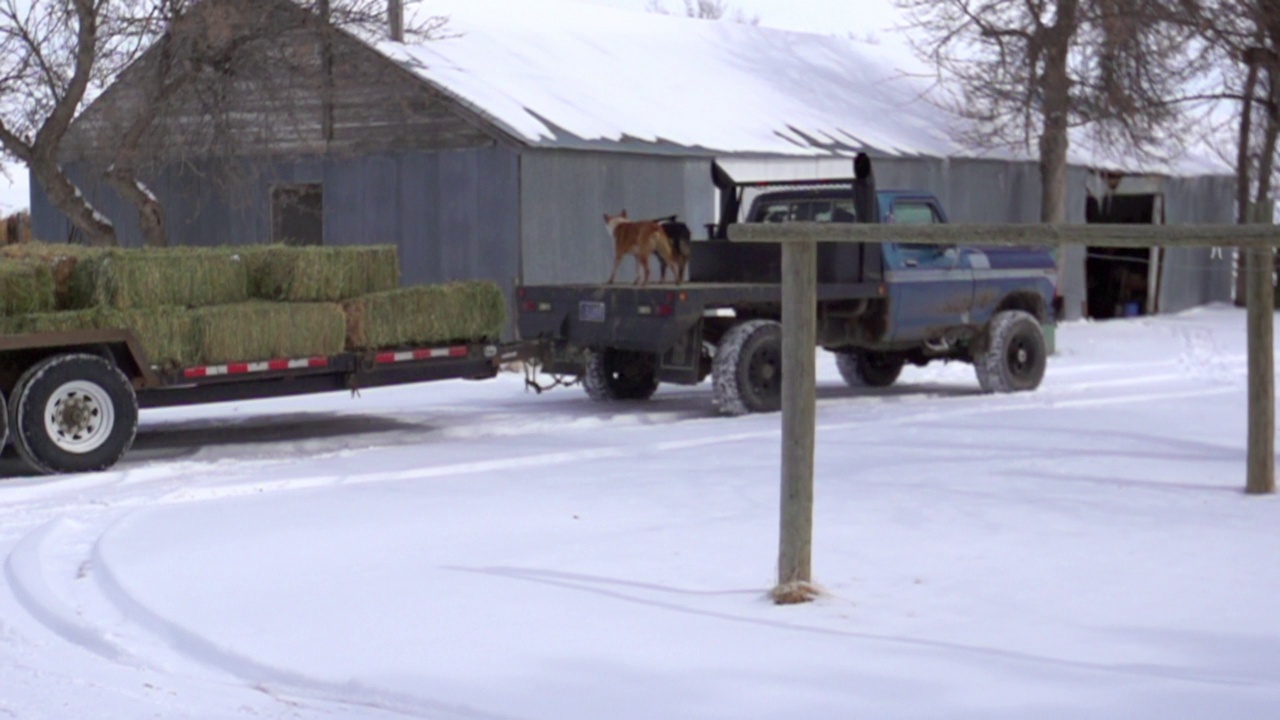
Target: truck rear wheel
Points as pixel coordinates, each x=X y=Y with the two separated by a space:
x=747 y=370
x=619 y=375
x=1016 y=352
x=73 y=413
x=866 y=368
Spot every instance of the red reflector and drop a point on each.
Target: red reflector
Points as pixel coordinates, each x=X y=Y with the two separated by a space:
x=666 y=310
x=529 y=306
x=520 y=293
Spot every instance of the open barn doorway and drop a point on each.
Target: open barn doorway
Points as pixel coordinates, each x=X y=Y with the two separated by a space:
x=1122 y=282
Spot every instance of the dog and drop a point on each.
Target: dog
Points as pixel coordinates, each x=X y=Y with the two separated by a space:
x=639 y=239
x=681 y=248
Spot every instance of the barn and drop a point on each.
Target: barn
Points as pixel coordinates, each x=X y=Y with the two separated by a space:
x=493 y=151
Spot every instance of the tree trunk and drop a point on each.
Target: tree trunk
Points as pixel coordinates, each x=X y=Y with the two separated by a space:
x=150 y=211
x=67 y=198
x=1242 y=177
x=1056 y=93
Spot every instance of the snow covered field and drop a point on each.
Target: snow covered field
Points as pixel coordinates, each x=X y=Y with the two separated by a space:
x=469 y=550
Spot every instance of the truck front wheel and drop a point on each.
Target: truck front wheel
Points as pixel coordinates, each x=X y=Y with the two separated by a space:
x=619 y=375
x=73 y=413
x=865 y=368
x=747 y=370
x=1015 y=356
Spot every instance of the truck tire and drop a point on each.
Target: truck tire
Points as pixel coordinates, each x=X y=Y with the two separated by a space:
x=73 y=413
x=747 y=370
x=866 y=368
x=1014 y=359
x=619 y=375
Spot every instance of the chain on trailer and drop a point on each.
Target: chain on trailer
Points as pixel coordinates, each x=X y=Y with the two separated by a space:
x=531 y=370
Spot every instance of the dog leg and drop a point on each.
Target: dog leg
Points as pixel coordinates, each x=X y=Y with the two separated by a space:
x=617 y=260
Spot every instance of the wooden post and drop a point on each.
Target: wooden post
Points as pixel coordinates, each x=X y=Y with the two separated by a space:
x=1261 y=477
x=799 y=340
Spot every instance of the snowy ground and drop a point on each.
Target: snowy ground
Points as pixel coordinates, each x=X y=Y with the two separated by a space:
x=467 y=550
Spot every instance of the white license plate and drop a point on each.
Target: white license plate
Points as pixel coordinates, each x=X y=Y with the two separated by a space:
x=591 y=311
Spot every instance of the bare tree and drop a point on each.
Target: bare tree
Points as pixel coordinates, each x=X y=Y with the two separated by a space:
x=51 y=53
x=1029 y=71
x=707 y=10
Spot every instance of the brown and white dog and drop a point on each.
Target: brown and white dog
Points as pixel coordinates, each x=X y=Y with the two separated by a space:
x=640 y=239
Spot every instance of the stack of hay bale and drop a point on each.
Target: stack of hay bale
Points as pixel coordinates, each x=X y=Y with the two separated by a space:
x=205 y=306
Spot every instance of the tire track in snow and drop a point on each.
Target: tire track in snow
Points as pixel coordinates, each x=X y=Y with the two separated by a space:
x=27 y=573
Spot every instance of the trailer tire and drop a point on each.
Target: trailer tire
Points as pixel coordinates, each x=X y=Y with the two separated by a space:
x=4 y=421
x=612 y=375
x=1015 y=355
x=73 y=413
x=747 y=370
x=867 y=368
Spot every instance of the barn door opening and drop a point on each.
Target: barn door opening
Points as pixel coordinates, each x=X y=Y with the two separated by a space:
x=1121 y=282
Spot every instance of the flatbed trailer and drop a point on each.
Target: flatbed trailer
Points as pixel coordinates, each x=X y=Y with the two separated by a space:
x=70 y=400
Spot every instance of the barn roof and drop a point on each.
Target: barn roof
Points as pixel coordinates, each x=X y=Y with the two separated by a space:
x=555 y=73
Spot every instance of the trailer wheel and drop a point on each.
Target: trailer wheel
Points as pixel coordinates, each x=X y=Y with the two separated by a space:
x=747 y=370
x=866 y=368
x=619 y=375
x=4 y=421
x=1014 y=359
x=73 y=413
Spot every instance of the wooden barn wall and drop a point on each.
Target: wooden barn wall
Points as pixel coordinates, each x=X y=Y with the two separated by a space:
x=565 y=194
x=275 y=99
x=454 y=214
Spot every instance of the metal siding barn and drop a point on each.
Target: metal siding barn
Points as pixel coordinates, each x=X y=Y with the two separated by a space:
x=494 y=153
x=565 y=194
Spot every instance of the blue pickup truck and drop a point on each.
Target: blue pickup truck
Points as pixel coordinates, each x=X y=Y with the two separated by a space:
x=879 y=306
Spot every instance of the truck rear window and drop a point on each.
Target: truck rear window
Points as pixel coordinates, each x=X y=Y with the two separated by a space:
x=804 y=211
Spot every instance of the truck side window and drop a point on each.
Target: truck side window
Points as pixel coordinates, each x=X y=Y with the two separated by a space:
x=914 y=213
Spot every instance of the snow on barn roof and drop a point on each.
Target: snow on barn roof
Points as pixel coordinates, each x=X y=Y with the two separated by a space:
x=564 y=74
x=554 y=73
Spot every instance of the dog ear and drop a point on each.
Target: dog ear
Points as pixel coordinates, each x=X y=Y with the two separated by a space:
x=624 y=213
x=607 y=218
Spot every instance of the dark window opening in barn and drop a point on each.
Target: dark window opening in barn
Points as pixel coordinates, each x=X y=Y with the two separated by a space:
x=297 y=214
x=1118 y=280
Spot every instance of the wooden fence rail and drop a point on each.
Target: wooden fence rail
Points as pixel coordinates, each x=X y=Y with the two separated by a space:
x=799 y=293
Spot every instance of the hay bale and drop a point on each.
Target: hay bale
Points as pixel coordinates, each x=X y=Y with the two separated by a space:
x=25 y=287
x=321 y=274
x=183 y=277
x=72 y=284
x=167 y=334
x=264 y=331
x=426 y=314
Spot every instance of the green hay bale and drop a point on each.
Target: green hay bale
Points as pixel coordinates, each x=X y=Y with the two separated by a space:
x=185 y=277
x=321 y=274
x=426 y=314
x=166 y=334
x=25 y=287
x=255 y=331
x=73 y=283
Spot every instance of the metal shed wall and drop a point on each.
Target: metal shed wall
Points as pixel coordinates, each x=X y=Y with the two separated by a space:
x=565 y=194
x=453 y=214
